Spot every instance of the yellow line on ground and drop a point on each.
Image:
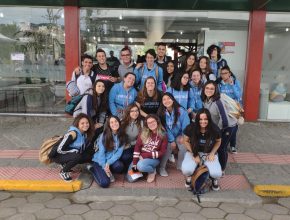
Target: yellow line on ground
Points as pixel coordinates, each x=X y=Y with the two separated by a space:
x=272 y=190
x=40 y=185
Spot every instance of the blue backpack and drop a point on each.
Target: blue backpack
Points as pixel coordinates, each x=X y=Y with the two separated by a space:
x=200 y=181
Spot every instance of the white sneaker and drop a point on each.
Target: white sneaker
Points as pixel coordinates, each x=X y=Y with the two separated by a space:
x=188 y=182
x=215 y=185
x=65 y=176
x=163 y=172
x=172 y=158
x=234 y=150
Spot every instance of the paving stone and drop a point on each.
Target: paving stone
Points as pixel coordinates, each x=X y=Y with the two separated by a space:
x=238 y=217
x=13 y=202
x=208 y=204
x=145 y=216
x=212 y=213
x=191 y=216
x=22 y=216
x=96 y=214
x=281 y=217
x=144 y=206
x=284 y=202
x=275 y=209
x=75 y=209
x=57 y=203
x=166 y=201
x=258 y=214
x=101 y=205
x=232 y=208
x=5 y=212
x=70 y=217
x=49 y=213
x=120 y=218
x=122 y=210
x=4 y=195
x=40 y=197
x=30 y=207
x=188 y=206
x=125 y=202
x=169 y=212
x=20 y=194
x=166 y=218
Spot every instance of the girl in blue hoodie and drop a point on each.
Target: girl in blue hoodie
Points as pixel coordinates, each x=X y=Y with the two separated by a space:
x=122 y=94
x=174 y=119
x=182 y=92
x=109 y=148
x=149 y=68
x=72 y=150
x=196 y=86
x=229 y=85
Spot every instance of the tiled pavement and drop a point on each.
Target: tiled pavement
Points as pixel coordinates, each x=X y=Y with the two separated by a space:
x=174 y=181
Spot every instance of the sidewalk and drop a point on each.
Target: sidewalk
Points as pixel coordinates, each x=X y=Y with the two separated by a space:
x=262 y=163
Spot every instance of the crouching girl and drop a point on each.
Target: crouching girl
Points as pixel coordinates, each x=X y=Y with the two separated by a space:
x=72 y=149
x=109 y=148
x=150 y=147
x=202 y=140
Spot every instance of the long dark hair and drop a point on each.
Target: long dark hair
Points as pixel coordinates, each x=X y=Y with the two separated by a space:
x=176 y=84
x=91 y=131
x=108 y=140
x=127 y=119
x=162 y=109
x=211 y=48
x=184 y=64
x=143 y=94
x=209 y=135
x=216 y=96
x=208 y=69
x=103 y=107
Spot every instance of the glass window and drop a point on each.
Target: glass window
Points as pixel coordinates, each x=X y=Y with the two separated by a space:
x=32 y=62
x=275 y=83
x=182 y=31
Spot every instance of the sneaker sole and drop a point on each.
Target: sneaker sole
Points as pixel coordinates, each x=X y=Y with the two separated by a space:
x=64 y=179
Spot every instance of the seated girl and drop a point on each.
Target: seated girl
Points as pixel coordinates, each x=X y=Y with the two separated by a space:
x=109 y=148
x=150 y=147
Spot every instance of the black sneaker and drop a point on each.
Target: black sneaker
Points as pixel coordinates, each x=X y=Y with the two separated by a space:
x=65 y=176
x=234 y=150
x=215 y=186
x=188 y=182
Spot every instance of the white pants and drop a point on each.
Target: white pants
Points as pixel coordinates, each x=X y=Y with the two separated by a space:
x=189 y=165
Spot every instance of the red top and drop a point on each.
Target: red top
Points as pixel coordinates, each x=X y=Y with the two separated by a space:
x=153 y=149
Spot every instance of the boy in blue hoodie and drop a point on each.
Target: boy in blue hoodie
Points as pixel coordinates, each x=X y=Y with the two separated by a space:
x=122 y=94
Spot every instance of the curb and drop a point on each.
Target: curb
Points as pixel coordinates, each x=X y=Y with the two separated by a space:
x=272 y=190
x=40 y=185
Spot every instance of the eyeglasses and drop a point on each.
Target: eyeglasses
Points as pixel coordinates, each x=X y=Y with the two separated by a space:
x=151 y=122
x=126 y=55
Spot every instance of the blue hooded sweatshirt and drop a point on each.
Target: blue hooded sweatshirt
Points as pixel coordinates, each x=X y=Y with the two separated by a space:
x=217 y=65
x=119 y=98
x=234 y=91
x=173 y=131
x=143 y=73
x=183 y=97
x=103 y=157
x=197 y=97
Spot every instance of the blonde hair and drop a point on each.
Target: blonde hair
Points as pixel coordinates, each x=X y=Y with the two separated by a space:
x=146 y=132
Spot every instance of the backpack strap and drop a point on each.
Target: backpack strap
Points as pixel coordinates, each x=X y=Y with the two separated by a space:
x=73 y=134
x=223 y=115
x=197 y=173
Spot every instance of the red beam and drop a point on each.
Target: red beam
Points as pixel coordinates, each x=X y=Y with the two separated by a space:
x=254 y=63
x=72 y=39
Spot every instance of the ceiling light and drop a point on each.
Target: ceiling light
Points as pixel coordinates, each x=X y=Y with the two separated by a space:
x=181 y=32
x=1 y=15
x=287 y=29
x=177 y=40
x=62 y=15
x=120 y=17
x=196 y=19
x=94 y=37
x=128 y=31
x=88 y=30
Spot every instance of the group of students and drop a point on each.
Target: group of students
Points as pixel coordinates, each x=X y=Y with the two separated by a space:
x=136 y=116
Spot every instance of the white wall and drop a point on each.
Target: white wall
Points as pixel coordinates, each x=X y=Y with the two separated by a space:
x=237 y=59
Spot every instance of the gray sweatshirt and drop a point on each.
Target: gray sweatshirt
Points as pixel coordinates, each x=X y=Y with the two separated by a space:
x=215 y=113
x=132 y=131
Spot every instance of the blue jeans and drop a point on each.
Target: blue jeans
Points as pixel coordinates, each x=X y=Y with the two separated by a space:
x=233 y=139
x=146 y=165
x=100 y=175
x=127 y=157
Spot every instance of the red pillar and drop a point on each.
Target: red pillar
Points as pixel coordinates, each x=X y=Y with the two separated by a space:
x=254 y=63
x=72 y=40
